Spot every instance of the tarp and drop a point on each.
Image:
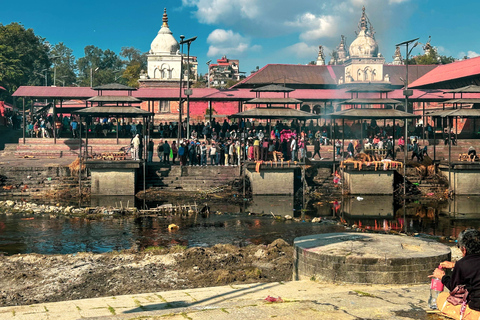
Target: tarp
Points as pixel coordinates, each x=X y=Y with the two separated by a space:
x=372 y=113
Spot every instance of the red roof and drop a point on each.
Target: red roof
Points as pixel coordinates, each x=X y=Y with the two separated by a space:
x=448 y=72
x=83 y=93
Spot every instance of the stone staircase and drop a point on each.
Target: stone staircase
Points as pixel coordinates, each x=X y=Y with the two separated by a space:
x=30 y=181
x=195 y=178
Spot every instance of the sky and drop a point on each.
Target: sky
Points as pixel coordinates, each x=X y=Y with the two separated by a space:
x=257 y=32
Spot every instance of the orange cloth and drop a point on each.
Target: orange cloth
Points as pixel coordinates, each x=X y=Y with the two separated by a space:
x=452 y=311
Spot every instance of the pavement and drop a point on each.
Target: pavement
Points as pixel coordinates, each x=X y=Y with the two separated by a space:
x=299 y=300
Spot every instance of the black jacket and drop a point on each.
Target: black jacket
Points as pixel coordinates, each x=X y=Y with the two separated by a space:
x=467 y=272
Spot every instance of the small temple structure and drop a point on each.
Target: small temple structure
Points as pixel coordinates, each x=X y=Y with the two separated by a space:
x=164 y=60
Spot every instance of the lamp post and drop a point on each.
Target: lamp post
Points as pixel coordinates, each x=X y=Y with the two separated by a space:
x=407 y=93
x=179 y=129
x=91 y=75
x=208 y=79
x=54 y=58
x=188 y=92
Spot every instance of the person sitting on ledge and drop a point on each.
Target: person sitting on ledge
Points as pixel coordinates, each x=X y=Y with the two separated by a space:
x=472 y=154
x=465 y=272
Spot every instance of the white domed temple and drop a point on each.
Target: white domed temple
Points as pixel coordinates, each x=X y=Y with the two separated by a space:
x=164 y=60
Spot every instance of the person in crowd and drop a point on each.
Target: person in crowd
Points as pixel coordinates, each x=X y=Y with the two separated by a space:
x=150 y=147
x=203 y=154
x=213 y=154
x=351 y=149
x=472 y=154
x=160 y=150
x=316 y=148
x=401 y=143
x=465 y=272
x=416 y=152
x=174 y=151
x=166 y=152
x=338 y=147
x=136 y=147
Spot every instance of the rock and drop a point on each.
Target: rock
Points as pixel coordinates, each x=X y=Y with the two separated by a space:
x=260 y=253
x=316 y=219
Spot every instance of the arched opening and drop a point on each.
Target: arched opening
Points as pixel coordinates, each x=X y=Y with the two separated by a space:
x=305 y=108
x=359 y=75
x=317 y=109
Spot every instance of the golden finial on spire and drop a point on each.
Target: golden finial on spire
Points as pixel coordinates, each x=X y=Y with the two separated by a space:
x=165 y=18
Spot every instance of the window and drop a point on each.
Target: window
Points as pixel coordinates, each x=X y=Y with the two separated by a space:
x=163 y=106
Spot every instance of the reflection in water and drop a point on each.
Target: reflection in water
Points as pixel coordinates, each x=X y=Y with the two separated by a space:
x=43 y=234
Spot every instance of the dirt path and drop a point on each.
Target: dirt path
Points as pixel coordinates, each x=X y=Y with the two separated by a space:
x=34 y=278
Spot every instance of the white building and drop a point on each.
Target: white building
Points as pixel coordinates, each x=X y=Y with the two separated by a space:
x=164 y=60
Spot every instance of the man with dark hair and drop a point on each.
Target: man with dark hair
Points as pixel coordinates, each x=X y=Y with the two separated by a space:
x=466 y=272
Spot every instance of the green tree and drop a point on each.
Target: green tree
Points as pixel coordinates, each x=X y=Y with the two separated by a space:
x=63 y=64
x=23 y=58
x=432 y=57
x=98 y=67
x=136 y=61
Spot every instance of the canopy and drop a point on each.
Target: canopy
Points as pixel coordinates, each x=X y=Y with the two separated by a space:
x=463 y=101
x=113 y=111
x=465 y=112
x=372 y=113
x=274 y=113
x=371 y=101
x=114 y=99
x=274 y=101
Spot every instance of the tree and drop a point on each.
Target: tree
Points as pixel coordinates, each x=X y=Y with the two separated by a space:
x=64 y=65
x=98 y=67
x=23 y=58
x=135 y=63
x=431 y=57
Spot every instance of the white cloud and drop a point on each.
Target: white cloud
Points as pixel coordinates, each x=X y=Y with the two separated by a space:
x=468 y=54
x=302 y=50
x=227 y=42
x=313 y=23
x=315 y=27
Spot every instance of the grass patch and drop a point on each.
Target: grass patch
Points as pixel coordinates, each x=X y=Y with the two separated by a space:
x=178 y=249
x=112 y=310
x=224 y=310
x=155 y=250
x=364 y=294
x=46 y=310
x=78 y=308
x=184 y=314
x=138 y=304
x=253 y=273
x=188 y=294
x=161 y=298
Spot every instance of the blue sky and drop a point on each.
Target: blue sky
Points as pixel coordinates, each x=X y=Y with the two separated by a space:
x=257 y=32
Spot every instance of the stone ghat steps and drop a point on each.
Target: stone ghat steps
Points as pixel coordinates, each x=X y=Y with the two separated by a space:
x=189 y=178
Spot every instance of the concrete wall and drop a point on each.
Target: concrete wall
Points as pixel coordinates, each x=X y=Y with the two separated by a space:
x=272 y=181
x=465 y=179
x=113 y=177
x=369 y=182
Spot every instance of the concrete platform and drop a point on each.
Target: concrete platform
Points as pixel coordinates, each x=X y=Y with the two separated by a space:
x=300 y=300
x=367 y=258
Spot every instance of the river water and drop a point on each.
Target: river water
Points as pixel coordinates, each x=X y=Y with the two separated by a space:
x=236 y=224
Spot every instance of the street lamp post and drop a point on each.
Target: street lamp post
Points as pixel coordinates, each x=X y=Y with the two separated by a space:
x=188 y=92
x=179 y=134
x=54 y=58
x=208 y=79
x=91 y=75
x=407 y=93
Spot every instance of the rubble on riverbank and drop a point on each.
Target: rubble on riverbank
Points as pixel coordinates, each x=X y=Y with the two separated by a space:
x=35 y=278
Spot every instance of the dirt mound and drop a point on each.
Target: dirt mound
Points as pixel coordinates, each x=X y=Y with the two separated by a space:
x=34 y=278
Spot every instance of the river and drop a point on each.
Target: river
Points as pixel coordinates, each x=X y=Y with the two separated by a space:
x=238 y=225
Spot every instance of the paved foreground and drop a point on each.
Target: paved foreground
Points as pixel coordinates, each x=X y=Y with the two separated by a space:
x=301 y=300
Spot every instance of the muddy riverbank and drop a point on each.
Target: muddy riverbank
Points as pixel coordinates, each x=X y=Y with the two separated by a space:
x=34 y=278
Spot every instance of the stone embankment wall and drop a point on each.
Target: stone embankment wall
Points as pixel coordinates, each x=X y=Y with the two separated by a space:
x=31 y=181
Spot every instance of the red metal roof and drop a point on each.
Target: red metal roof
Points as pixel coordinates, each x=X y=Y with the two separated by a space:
x=83 y=93
x=448 y=72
